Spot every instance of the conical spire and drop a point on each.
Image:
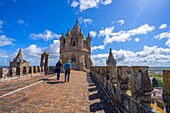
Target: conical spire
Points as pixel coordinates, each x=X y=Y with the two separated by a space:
x=19 y=55
x=68 y=32
x=76 y=29
x=111 y=61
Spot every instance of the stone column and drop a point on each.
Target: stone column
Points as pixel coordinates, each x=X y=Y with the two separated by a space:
x=13 y=71
x=166 y=90
x=3 y=72
x=27 y=70
x=35 y=69
x=20 y=71
x=42 y=68
x=31 y=70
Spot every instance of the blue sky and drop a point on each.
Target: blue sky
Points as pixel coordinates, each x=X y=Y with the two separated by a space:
x=138 y=31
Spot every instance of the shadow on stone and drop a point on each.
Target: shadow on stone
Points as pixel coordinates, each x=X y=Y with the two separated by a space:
x=98 y=98
x=92 y=89
x=94 y=96
x=57 y=82
x=95 y=107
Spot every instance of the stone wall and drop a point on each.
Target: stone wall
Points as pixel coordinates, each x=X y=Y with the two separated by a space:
x=128 y=87
x=22 y=71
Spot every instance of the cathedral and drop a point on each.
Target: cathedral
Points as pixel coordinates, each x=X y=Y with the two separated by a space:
x=76 y=48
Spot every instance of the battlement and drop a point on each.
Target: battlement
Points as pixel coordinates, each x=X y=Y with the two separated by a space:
x=25 y=70
x=130 y=88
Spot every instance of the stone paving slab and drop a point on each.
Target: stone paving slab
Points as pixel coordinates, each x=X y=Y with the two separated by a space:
x=6 y=87
x=79 y=95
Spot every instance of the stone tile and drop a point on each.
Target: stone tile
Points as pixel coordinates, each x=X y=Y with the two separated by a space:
x=54 y=96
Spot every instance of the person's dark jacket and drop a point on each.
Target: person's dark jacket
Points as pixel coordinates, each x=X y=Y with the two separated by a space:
x=58 y=66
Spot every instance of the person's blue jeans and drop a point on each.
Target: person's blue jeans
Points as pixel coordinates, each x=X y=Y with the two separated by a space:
x=67 y=75
x=58 y=74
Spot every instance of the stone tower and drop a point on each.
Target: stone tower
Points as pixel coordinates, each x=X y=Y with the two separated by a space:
x=44 y=59
x=76 y=48
x=19 y=61
x=111 y=61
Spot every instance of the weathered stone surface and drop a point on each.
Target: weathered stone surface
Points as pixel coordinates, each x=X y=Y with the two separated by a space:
x=80 y=95
x=140 y=84
x=122 y=77
x=76 y=48
x=166 y=90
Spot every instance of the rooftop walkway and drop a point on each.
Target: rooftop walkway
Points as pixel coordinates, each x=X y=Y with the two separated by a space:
x=45 y=94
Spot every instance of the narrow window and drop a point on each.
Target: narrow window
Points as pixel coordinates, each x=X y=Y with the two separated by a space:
x=74 y=43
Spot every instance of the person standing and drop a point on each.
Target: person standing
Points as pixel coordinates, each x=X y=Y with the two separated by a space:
x=67 y=68
x=58 y=69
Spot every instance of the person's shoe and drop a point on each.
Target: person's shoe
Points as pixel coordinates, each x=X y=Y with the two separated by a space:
x=65 y=81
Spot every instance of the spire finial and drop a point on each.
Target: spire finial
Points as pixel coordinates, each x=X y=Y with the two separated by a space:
x=110 y=49
x=88 y=34
x=77 y=21
x=62 y=34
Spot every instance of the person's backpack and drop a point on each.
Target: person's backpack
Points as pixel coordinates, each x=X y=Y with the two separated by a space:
x=68 y=67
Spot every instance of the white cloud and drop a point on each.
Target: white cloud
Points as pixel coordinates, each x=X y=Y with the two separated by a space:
x=121 y=22
x=74 y=3
x=123 y=36
x=85 y=20
x=54 y=48
x=4 y=40
x=33 y=53
x=46 y=35
x=3 y=54
x=93 y=33
x=106 y=2
x=33 y=50
x=137 y=39
x=86 y=4
x=98 y=47
x=20 y=22
x=164 y=35
x=106 y=32
x=149 y=56
x=163 y=26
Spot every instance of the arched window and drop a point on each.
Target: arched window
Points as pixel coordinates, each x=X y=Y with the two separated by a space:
x=74 y=43
x=73 y=59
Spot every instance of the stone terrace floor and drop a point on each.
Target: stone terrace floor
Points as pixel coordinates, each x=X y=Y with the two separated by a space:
x=80 y=95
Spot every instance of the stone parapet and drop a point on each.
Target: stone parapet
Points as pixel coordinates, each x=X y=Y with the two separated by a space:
x=22 y=71
x=128 y=87
x=3 y=72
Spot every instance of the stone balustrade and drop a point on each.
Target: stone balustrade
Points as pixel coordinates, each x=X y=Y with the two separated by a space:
x=21 y=71
x=130 y=87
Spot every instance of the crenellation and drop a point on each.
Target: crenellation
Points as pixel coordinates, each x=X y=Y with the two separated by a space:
x=166 y=90
x=122 y=77
x=3 y=72
x=132 y=90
